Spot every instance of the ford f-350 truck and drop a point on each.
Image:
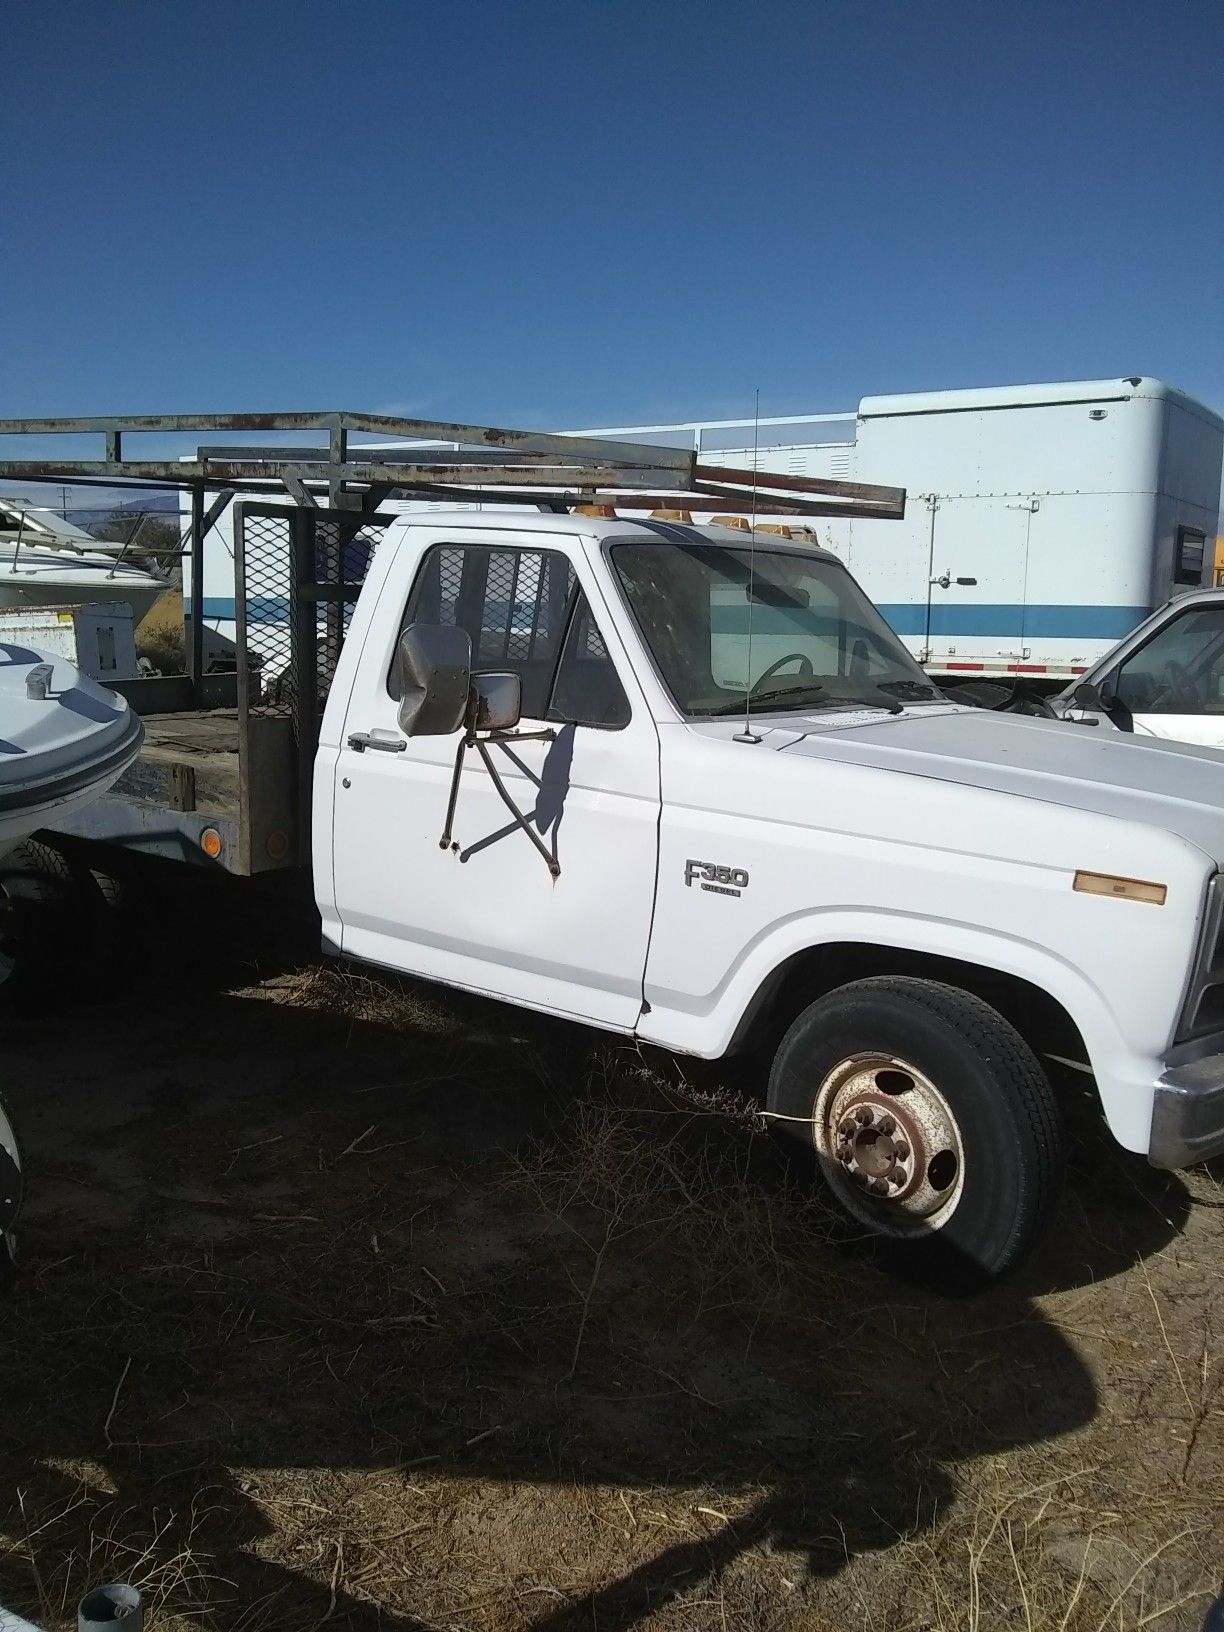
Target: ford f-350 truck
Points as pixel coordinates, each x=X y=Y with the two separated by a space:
x=745 y=812
x=683 y=783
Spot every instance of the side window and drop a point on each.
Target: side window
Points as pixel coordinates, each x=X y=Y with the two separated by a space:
x=513 y=603
x=1188 y=556
x=1180 y=670
x=587 y=689
x=520 y=608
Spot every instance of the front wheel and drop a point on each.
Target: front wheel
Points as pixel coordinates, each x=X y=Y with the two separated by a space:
x=934 y=1126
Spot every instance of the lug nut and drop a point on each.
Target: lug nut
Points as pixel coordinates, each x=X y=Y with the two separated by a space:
x=878 y=1187
x=901 y=1151
x=848 y=1128
x=887 y=1125
x=863 y=1115
x=845 y=1154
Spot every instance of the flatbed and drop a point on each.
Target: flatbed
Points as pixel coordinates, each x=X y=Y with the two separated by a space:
x=200 y=792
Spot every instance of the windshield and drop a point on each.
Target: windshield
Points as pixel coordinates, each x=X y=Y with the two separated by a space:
x=816 y=640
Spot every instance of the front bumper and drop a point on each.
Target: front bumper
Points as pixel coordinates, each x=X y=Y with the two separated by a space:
x=1188 y=1114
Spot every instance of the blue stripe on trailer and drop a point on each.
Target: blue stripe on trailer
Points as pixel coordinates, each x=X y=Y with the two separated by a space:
x=1049 y=622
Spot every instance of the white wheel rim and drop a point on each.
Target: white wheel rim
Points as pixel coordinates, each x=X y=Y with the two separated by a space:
x=890 y=1145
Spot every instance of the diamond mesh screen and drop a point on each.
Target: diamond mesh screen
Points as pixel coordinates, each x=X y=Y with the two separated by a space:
x=280 y=670
x=513 y=603
x=265 y=592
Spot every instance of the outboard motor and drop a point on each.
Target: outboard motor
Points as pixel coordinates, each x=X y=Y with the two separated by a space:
x=10 y=1190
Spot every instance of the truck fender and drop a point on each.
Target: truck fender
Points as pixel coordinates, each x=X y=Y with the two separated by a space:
x=710 y=1026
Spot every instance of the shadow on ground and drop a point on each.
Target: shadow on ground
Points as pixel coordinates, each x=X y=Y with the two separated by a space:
x=348 y=1302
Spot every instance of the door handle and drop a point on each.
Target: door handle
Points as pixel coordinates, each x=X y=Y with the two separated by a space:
x=361 y=740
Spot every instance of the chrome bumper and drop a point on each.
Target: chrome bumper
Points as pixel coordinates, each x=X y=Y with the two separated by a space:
x=1188 y=1114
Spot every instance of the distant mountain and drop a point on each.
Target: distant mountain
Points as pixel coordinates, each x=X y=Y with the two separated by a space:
x=151 y=503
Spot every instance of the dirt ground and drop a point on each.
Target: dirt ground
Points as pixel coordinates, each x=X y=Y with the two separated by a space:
x=351 y=1302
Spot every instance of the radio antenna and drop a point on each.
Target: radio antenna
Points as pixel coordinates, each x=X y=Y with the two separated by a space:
x=748 y=734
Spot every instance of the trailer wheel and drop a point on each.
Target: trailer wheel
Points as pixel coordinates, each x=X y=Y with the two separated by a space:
x=38 y=938
x=934 y=1126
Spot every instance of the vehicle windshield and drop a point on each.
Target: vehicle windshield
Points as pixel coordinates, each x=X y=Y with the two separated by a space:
x=791 y=630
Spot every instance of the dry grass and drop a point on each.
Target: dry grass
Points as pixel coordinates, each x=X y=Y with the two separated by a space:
x=160 y=635
x=352 y=1304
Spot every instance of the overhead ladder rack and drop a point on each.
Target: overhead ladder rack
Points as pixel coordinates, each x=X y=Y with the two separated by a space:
x=429 y=459
x=447 y=461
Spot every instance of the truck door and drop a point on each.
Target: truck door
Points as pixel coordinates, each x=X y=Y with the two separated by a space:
x=1173 y=684
x=487 y=913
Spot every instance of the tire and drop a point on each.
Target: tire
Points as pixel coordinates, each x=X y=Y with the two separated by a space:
x=38 y=893
x=933 y=1125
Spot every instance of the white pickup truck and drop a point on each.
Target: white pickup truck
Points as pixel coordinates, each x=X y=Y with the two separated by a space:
x=1166 y=679
x=536 y=780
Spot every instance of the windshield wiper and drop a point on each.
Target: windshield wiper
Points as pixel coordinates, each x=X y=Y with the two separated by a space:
x=822 y=696
x=919 y=690
x=774 y=693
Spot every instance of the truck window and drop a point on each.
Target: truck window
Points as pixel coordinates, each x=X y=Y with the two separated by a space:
x=587 y=689
x=519 y=607
x=1188 y=556
x=1180 y=670
x=792 y=628
x=514 y=605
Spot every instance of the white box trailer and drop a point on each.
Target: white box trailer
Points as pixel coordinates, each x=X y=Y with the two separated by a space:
x=1043 y=522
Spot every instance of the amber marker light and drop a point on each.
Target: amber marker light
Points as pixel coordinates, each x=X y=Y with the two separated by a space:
x=1123 y=889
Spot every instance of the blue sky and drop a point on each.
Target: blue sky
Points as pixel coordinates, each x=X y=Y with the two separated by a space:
x=595 y=213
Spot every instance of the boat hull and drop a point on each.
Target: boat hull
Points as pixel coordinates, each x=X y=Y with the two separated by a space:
x=19 y=591
x=45 y=803
x=38 y=574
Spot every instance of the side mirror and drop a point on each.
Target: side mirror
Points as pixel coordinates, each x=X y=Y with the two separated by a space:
x=1087 y=697
x=497 y=701
x=431 y=676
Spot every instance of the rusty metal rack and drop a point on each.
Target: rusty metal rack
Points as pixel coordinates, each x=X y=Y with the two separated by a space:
x=448 y=461
x=306 y=522
x=574 y=468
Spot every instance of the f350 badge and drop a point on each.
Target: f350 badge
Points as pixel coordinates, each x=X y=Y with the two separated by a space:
x=721 y=880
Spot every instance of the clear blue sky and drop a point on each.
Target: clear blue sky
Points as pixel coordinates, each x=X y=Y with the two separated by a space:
x=581 y=213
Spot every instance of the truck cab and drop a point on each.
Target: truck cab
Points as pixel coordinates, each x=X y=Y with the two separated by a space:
x=685 y=784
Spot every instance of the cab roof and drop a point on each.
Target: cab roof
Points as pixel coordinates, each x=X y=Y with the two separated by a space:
x=622 y=528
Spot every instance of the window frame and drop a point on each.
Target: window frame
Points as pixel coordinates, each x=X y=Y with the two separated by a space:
x=1108 y=686
x=575 y=596
x=578 y=596
x=1184 y=535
